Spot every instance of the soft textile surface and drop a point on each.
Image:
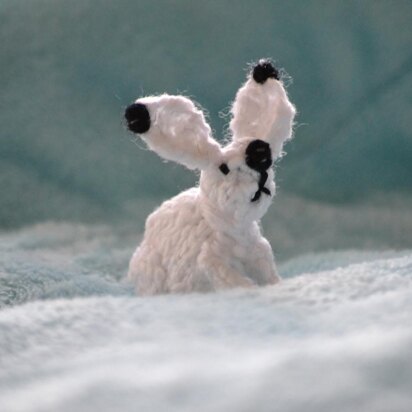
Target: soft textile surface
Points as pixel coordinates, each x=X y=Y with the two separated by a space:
x=334 y=335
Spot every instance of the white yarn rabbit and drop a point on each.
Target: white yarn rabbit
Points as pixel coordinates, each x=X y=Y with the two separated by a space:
x=208 y=237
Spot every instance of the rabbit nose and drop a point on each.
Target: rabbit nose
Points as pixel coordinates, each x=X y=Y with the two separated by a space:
x=258 y=155
x=138 y=118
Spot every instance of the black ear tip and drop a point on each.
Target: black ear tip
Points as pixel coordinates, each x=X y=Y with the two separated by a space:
x=138 y=118
x=264 y=70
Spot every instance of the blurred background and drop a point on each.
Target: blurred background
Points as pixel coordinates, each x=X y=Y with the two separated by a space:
x=68 y=70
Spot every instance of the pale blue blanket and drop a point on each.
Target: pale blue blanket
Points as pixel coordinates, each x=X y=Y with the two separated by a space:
x=334 y=335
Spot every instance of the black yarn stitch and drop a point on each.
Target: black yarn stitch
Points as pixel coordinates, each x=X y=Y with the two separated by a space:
x=264 y=70
x=138 y=118
x=262 y=189
x=224 y=168
x=259 y=158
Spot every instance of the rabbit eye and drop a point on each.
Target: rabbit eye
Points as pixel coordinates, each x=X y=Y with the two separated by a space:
x=224 y=168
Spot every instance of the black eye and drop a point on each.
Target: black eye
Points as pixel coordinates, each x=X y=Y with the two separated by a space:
x=224 y=168
x=258 y=155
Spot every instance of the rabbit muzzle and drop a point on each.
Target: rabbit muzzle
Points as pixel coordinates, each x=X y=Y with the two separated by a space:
x=259 y=158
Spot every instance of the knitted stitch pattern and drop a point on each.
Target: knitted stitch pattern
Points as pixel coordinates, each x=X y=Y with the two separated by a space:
x=208 y=237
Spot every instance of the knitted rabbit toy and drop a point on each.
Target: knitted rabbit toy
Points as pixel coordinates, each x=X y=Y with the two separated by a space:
x=208 y=237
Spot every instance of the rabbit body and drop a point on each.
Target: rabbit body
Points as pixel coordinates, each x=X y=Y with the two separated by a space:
x=208 y=237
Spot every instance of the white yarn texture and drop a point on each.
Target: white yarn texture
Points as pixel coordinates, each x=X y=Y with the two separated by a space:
x=208 y=237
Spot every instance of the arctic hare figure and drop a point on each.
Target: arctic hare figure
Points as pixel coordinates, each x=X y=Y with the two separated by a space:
x=208 y=237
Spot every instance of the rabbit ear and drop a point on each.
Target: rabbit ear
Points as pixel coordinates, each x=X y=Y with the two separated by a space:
x=175 y=129
x=262 y=109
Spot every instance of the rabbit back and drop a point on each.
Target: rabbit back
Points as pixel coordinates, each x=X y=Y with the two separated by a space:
x=166 y=259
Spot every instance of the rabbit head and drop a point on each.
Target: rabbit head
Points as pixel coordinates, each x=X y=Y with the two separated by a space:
x=236 y=181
